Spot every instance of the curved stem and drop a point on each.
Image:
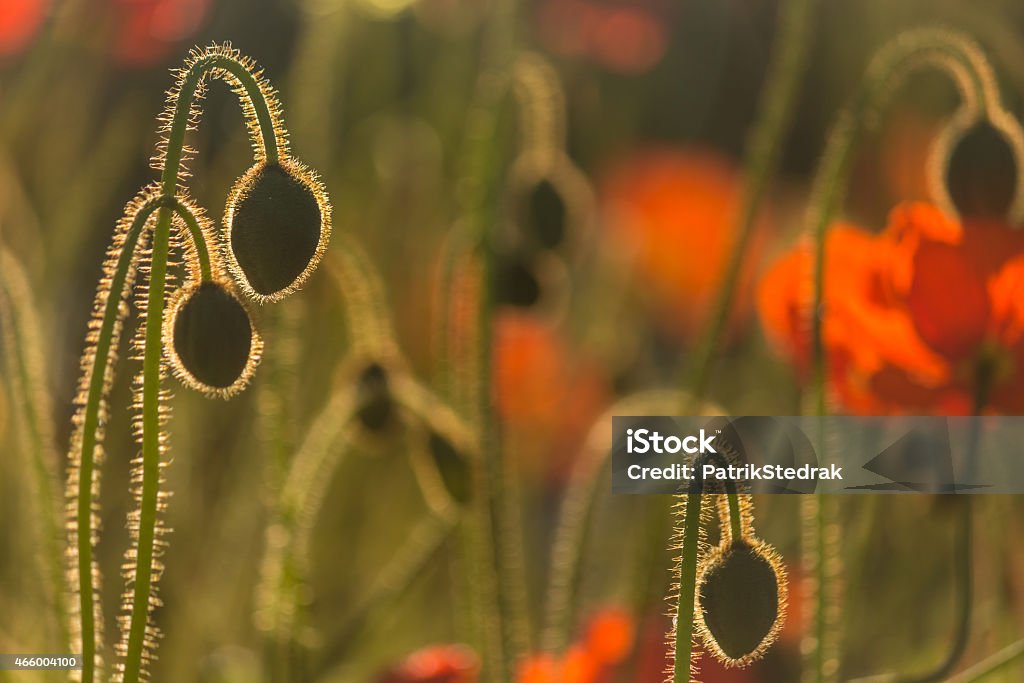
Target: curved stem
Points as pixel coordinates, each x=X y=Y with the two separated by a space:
x=198 y=239
x=151 y=449
x=98 y=382
x=149 y=504
x=181 y=117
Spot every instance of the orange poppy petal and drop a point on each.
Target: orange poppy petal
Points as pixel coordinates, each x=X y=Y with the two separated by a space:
x=948 y=301
x=1006 y=294
x=609 y=636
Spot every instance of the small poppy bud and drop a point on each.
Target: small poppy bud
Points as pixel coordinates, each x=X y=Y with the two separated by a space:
x=374 y=397
x=210 y=340
x=981 y=173
x=741 y=594
x=515 y=281
x=278 y=220
x=544 y=215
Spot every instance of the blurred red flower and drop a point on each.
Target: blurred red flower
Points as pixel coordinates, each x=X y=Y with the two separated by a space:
x=625 y=37
x=915 y=317
x=19 y=21
x=149 y=30
x=436 y=664
x=673 y=211
x=607 y=641
x=546 y=392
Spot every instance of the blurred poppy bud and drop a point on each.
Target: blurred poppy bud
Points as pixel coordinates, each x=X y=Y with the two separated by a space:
x=278 y=220
x=515 y=281
x=374 y=397
x=981 y=172
x=543 y=214
x=741 y=591
x=210 y=340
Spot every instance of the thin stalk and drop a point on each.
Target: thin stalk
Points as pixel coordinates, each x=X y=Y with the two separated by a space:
x=778 y=101
x=687 y=574
x=111 y=296
x=495 y=603
x=259 y=105
x=152 y=372
x=198 y=239
x=686 y=571
x=19 y=326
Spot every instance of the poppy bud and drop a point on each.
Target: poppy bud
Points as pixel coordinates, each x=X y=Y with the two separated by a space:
x=741 y=594
x=981 y=173
x=374 y=397
x=210 y=340
x=515 y=281
x=544 y=215
x=278 y=219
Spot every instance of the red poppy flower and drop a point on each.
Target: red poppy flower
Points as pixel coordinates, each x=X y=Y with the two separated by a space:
x=915 y=317
x=624 y=37
x=545 y=392
x=149 y=30
x=436 y=664
x=607 y=641
x=674 y=212
x=19 y=21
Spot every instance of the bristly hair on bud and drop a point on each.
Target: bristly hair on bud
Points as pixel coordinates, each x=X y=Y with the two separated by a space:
x=278 y=219
x=210 y=342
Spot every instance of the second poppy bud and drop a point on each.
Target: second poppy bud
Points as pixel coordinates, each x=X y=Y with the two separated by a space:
x=209 y=339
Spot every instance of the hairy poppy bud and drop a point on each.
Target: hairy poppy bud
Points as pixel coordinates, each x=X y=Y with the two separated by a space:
x=279 y=222
x=210 y=340
x=741 y=594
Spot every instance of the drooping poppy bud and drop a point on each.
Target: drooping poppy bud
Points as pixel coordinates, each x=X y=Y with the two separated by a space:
x=279 y=222
x=515 y=281
x=209 y=339
x=544 y=215
x=376 y=404
x=741 y=591
x=981 y=172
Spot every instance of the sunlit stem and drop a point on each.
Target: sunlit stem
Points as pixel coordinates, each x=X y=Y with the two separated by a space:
x=198 y=239
x=153 y=351
x=688 y=559
x=90 y=425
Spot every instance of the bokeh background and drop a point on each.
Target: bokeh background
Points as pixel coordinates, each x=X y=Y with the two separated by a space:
x=660 y=96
